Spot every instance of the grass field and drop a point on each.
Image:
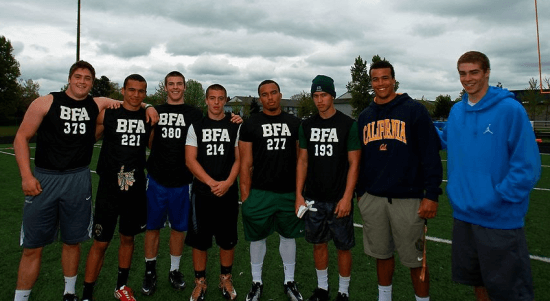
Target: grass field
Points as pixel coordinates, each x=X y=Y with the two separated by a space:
x=363 y=284
x=8 y=130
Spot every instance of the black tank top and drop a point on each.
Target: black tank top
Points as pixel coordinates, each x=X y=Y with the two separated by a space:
x=215 y=149
x=66 y=135
x=125 y=139
x=166 y=163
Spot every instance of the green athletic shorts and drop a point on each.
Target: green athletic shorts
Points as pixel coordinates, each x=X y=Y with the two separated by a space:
x=266 y=211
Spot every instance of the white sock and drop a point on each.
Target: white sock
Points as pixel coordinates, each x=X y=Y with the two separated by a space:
x=343 y=286
x=257 y=253
x=22 y=295
x=422 y=298
x=322 y=278
x=174 y=262
x=150 y=259
x=69 y=284
x=287 y=249
x=384 y=293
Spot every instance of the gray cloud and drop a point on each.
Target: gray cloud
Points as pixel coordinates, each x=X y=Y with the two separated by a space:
x=239 y=43
x=213 y=66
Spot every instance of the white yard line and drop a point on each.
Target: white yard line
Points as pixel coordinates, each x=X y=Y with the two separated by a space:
x=435 y=239
x=449 y=242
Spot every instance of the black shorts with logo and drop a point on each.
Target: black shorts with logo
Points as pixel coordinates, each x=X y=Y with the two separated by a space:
x=126 y=199
x=322 y=225
x=212 y=216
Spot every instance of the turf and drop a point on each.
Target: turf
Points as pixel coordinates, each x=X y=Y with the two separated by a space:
x=363 y=284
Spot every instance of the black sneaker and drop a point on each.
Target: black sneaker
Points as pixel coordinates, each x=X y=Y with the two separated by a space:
x=255 y=292
x=342 y=297
x=176 y=280
x=149 y=284
x=319 y=294
x=70 y=297
x=291 y=290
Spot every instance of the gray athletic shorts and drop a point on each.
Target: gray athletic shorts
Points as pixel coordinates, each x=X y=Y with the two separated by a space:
x=65 y=204
x=388 y=227
x=494 y=258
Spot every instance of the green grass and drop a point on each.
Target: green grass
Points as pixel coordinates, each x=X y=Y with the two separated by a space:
x=8 y=131
x=363 y=284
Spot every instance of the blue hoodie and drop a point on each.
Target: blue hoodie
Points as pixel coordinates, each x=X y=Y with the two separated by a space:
x=493 y=160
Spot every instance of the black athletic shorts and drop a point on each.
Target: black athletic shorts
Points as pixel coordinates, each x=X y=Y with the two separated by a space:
x=114 y=200
x=212 y=216
x=494 y=258
x=323 y=225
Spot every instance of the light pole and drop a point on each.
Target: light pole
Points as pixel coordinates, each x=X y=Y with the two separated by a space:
x=78 y=34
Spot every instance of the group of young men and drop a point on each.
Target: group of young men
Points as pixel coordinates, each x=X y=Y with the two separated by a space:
x=296 y=178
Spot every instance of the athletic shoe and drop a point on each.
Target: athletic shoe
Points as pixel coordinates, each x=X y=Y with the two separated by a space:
x=342 y=297
x=176 y=280
x=124 y=293
x=70 y=297
x=199 y=291
x=149 y=284
x=291 y=290
x=255 y=292
x=320 y=294
x=226 y=286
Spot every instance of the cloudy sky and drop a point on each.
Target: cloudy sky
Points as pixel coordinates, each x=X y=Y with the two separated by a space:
x=239 y=43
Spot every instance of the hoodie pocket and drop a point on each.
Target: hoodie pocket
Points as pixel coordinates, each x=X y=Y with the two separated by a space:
x=473 y=193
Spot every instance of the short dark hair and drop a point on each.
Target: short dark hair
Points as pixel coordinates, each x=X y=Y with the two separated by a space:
x=475 y=57
x=82 y=65
x=216 y=87
x=135 y=77
x=173 y=73
x=266 y=82
x=382 y=65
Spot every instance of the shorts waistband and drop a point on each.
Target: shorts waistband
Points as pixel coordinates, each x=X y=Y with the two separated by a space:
x=61 y=172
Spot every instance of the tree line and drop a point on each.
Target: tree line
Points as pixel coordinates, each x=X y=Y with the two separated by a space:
x=16 y=94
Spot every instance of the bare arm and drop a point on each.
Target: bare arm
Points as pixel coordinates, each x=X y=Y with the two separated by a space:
x=223 y=186
x=99 y=125
x=344 y=205
x=151 y=137
x=31 y=122
x=236 y=118
x=301 y=174
x=151 y=114
x=195 y=167
x=428 y=208
x=108 y=103
x=245 y=176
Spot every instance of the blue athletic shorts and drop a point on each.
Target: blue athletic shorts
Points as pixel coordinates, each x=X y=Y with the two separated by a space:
x=167 y=202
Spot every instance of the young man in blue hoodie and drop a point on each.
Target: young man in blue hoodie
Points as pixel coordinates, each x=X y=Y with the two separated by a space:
x=493 y=162
x=398 y=180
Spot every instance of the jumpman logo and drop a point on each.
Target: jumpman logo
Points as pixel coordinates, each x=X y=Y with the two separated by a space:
x=488 y=130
